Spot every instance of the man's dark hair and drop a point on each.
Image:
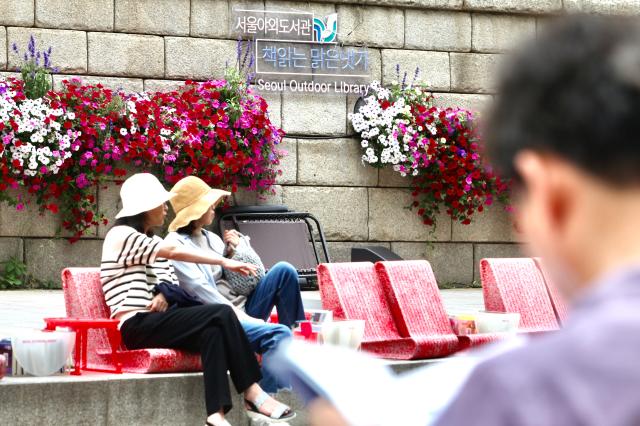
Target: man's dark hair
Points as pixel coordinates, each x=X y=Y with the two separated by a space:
x=136 y=222
x=574 y=93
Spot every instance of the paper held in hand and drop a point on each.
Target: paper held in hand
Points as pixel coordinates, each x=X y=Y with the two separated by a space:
x=367 y=392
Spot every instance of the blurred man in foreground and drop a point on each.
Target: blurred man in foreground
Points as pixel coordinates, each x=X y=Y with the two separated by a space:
x=566 y=129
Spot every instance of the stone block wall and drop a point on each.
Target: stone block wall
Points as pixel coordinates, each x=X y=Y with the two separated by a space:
x=156 y=44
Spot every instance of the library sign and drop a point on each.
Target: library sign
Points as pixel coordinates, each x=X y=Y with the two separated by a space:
x=298 y=52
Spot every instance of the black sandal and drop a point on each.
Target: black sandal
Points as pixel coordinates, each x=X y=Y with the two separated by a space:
x=281 y=413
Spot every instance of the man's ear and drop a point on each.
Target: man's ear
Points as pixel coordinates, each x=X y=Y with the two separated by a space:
x=549 y=185
x=531 y=167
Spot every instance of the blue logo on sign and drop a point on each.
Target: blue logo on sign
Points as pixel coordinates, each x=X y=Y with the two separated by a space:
x=325 y=30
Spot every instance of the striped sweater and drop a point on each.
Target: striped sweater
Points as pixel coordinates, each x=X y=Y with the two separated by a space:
x=130 y=269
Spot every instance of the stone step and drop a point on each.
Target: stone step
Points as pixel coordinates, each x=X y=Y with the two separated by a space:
x=125 y=399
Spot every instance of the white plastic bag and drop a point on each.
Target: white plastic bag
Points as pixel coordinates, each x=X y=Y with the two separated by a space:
x=42 y=353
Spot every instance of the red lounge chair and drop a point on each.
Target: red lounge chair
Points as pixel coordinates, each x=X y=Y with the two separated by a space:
x=417 y=306
x=517 y=285
x=84 y=299
x=557 y=299
x=354 y=291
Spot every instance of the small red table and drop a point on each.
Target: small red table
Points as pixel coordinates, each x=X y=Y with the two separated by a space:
x=306 y=332
x=81 y=326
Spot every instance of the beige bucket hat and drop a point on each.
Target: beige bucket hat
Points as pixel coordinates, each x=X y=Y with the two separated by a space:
x=192 y=198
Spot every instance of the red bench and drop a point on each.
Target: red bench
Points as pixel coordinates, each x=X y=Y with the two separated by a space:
x=84 y=300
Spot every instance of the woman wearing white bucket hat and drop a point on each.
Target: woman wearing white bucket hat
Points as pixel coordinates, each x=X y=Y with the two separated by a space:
x=194 y=205
x=134 y=262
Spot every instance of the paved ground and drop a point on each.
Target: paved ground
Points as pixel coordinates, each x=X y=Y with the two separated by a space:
x=26 y=308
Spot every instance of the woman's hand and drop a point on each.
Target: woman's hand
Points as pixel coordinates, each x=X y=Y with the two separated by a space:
x=158 y=304
x=231 y=237
x=240 y=267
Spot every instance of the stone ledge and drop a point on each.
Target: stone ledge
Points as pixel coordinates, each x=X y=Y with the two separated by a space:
x=494 y=224
x=333 y=162
x=452 y=263
x=30 y=222
x=518 y=6
x=69 y=48
x=141 y=399
x=3 y=52
x=388 y=178
x=138 y=55
x=46 y=258
x=438 y=30
x=434 y=67
x=473 y=102
x=289 y=164
x=300 y=113
x=497 y=6
x=501 y=33
x=199 y=59
x=474 y=72
x=22 y=12
x=391 y=220
x=625 y=7
x=342 y=212
x=11 y=247
x=209 y=19
x=245 y=197
x=95 y=15
x=152 y=16
x=362 y=25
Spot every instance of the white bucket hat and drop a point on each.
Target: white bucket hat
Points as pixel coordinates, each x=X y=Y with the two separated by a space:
x=140 y=193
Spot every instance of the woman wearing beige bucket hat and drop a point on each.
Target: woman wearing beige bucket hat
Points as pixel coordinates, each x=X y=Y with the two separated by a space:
x=194 y=204
x=135 y=264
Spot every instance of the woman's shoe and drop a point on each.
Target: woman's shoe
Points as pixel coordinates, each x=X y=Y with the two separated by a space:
x=281 y=413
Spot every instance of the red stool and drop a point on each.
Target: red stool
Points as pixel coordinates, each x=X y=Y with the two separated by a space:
x=81 y=326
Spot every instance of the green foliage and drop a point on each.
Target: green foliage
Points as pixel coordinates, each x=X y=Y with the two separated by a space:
x=36 y=80
x=13 y=274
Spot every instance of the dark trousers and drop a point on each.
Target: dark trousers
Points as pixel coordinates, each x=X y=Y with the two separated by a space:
x=212 y=330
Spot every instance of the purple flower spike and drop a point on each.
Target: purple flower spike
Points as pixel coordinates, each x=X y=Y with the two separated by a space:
x=32 y=46
x=14 y=47
x=415 y=76
x=246 y=53
x=239 y=49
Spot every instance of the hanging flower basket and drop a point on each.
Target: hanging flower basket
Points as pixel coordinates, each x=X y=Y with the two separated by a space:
x=437 y=147
x=61 y=145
